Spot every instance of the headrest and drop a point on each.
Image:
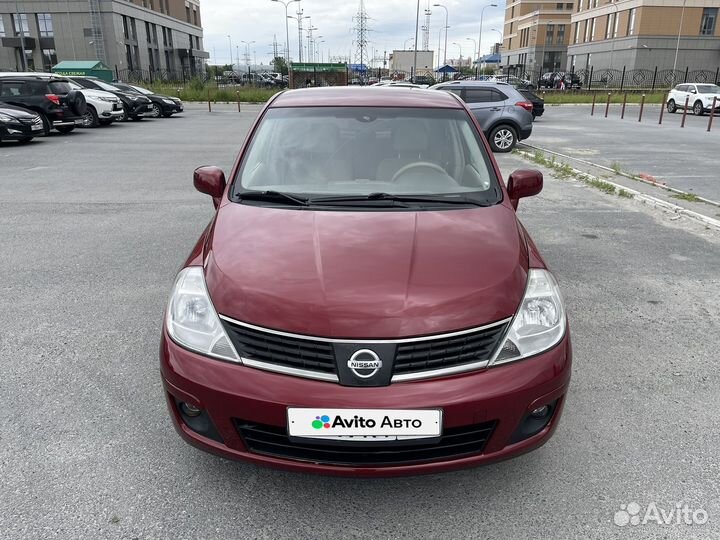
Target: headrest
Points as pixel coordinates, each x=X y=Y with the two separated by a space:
x=410 y=137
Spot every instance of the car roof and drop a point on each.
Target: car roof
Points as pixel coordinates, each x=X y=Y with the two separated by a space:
x=31 y=75
x=492 y=84
x=377 y=96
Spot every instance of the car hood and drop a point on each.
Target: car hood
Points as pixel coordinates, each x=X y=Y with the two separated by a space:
x=366 y=274
x=16 y=112
x=90 y=93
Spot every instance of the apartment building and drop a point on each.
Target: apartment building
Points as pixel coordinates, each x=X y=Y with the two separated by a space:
x=644 y=34
x=145 y=36
x=536 y=35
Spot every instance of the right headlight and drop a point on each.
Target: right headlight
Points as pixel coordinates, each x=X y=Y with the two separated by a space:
x=7 y=118
x=192 y=321
x=539 y=323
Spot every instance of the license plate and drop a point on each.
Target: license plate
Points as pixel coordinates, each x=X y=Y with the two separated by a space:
x=363 y=423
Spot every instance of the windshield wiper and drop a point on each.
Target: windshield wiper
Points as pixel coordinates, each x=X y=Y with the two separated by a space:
x=273 y=196
x=381 y=196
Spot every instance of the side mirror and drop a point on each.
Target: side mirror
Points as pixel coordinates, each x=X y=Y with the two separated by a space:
x=211 y=181
x=524 y=183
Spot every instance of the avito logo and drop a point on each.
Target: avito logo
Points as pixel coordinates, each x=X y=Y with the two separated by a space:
x=321 y=422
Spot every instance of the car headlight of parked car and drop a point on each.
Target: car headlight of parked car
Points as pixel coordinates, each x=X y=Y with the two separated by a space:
x=7 y=118
x=539 y=323
x=191 y=318
x=168 y=101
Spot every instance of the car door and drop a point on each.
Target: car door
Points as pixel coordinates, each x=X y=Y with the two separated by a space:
x=484 y=104
x=682 y=93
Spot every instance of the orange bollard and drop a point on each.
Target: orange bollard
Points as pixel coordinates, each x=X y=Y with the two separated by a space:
x=592 y=111
x=622 y=113
x=209 y=106
x=642 y=107
x=662 y=112
x=238 y=98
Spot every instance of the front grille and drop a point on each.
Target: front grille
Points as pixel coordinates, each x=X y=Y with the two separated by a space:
x=455 y=443
x=35 y=120
x=285 y=351
x=447 y=352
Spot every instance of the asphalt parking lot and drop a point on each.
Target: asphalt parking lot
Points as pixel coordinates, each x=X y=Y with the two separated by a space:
x=94 y=227
x=683 y=158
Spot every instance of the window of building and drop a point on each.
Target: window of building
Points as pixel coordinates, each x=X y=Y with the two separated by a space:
x=559 y=5
x=20 y=22
x=49 y=58
x=2 y=27
x=512 y=12
x=561 y=34
x=151 y=59
x=129 y=57
x=577 y=33
x=595 y=3
x=133 y=27
x=587 y=30
x=187 y=12
x=707 y=24
x=44 y=21
x=170 y=41
x=572 y=62
x=147 y=32
x=511 y=26
x=615 y=26
x=29 y=60
x=569 y=6
x=549 y=34
x=154 y=33
x=631 y=22
x=609 y=25
x=136 y=57
x=195 y=16
x=592 y=29
x=126 y=30
x=168 y=60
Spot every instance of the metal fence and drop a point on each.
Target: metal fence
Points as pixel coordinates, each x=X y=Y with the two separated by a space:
x=141 y=76
x=629 y=79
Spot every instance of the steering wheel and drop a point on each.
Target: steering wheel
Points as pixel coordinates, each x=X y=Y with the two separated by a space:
x=418 y=165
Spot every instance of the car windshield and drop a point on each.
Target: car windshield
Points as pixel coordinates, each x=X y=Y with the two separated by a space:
x=708 y=88
x=105 y=86
x=141 y=90
x=363 y=151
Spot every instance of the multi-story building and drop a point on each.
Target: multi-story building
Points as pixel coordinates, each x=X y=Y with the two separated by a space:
x=536 y=35
x=140 y=36
x=645 y=34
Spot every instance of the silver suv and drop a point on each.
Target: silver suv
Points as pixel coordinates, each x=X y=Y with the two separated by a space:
x=504 y=114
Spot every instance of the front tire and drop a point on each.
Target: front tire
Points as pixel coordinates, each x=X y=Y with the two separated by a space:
x=90 y=118
x=156 y=112
x=698 y=109
x=503 y=139
x=671 y=107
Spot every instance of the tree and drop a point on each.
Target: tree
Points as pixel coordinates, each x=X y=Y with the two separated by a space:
x=280 y=65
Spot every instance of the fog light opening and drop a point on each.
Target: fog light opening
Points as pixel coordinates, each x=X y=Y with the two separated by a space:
x=190 y=410
x=540 y=412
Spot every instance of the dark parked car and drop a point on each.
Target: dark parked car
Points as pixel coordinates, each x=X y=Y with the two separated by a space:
x=51 y=97
x=538 y=103
x=135 y=106
x=552 y=80
x=161 y=105
x=365 y=300
x=18 y=124
x=504 y=114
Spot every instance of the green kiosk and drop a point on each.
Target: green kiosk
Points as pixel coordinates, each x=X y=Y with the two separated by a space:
x=84 y=68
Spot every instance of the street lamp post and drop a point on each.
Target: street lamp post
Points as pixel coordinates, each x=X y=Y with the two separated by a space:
x=231 y=58
x=287 y=28
x=477 y=66
x=417 y=27
x=482 y=13
x=461 y=56
x=677 y=45
x=446 y=31
x=247 y=56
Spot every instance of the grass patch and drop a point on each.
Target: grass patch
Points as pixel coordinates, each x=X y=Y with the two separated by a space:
x=215 y=94
x=561 y=98
x=686 y=197
x=601 y=185
x=615 y=166
x=624 y=193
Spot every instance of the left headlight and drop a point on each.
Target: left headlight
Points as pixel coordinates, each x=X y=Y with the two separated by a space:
x=168 y=101
x=191 y=318
x=539 y=323
x=7 y=118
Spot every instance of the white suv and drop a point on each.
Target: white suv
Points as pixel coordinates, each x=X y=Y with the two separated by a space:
x=103 y=108
x=699 y=97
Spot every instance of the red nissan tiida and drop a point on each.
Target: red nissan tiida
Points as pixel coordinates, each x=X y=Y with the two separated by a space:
x=365 y=301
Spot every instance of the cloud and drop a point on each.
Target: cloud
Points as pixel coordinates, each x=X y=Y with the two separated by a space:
x=391 y=23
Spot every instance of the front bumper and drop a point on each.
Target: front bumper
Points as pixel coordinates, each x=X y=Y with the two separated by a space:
x=172 y=109
x=18 y=131
x=232 y=394
x=139 y=109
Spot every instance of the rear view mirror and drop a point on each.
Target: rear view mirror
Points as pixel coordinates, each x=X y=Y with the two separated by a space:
x=524 y=183
x=211 y=181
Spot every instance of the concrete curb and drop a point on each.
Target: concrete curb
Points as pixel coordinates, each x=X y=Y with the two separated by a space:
x=648 y=199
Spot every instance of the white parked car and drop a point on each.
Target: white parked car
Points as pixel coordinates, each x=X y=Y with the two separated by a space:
x=699 y=98
x=103 y=108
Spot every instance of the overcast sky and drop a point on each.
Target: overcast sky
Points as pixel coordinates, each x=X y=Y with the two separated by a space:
x=391 y=23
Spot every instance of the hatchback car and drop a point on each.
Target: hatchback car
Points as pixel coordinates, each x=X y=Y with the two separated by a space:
x=365 y=300
x=698 y=97
x=505 y=115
